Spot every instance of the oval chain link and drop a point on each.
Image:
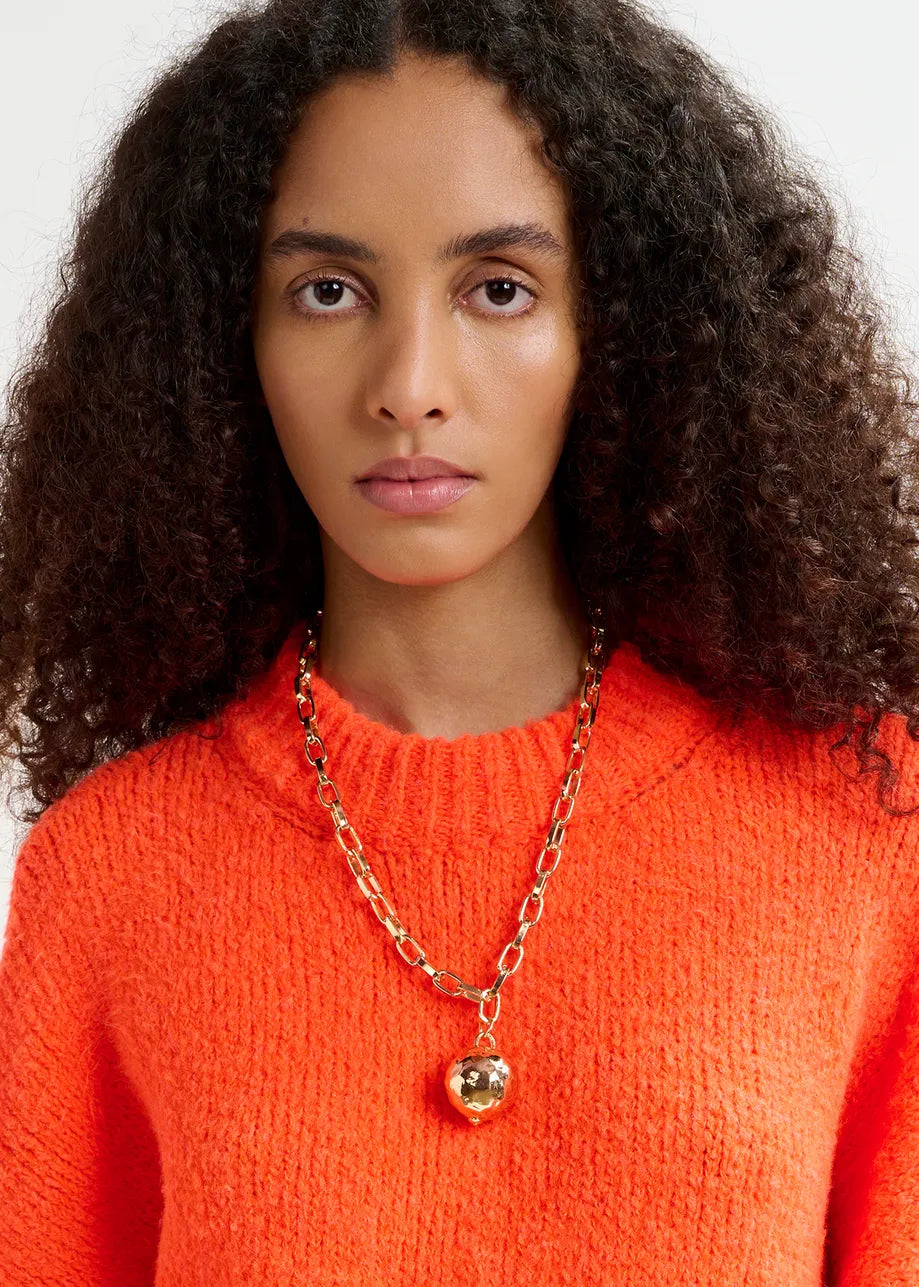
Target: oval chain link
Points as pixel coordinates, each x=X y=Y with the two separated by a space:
x=531 y=908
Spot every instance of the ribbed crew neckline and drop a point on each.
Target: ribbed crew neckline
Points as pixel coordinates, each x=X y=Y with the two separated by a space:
x=647 y=723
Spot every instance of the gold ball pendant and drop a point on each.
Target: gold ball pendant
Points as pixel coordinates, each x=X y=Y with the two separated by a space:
x=480 y=1084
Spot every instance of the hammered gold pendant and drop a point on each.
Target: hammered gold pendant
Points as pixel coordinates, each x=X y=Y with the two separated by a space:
x=480 y=1084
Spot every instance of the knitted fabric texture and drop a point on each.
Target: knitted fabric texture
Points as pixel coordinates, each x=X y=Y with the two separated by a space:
x=217 y=1070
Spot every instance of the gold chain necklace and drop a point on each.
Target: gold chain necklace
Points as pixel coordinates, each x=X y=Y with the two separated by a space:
x=481 y=1082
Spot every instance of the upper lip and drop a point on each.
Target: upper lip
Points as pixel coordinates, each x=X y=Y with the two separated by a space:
x=406 y=468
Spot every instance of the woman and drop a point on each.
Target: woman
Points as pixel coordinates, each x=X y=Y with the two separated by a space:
x=594 y=656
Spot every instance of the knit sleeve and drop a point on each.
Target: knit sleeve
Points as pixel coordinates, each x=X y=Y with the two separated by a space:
x=80 y=1190
x=873 y=1216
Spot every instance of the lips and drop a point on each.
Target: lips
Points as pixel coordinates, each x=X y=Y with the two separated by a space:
x=415 y=496
x=414 y=468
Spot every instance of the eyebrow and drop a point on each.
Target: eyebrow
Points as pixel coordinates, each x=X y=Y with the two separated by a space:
x=505 y=236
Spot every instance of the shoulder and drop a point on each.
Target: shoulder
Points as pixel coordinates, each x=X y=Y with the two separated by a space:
x=812 y=783
x=113 y=813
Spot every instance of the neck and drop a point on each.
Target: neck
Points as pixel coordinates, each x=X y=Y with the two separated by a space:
x=480 y=654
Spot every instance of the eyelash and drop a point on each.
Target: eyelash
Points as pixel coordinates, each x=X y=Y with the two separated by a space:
x=315 y=315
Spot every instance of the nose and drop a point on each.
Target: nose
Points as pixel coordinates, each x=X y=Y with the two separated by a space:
x=413 y=360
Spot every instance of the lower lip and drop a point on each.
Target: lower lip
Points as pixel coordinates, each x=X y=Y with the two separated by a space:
x=423 y=496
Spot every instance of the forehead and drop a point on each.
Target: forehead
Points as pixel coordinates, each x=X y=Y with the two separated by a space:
x=424 y=152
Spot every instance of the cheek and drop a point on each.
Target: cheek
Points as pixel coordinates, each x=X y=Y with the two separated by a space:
x=534 y=393
x=298 y=414
x=290 y=381
x=531 y=375
x=539 y=369
x=302 y=401
x=530 y=455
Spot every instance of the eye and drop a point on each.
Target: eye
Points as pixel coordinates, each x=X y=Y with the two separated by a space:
x=325 y=291
x=507 y=285
x=316 y=290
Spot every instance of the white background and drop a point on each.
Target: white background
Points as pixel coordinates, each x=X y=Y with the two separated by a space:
x=839 y=75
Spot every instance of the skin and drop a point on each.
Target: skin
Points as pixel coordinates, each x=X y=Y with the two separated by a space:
x=466 y=619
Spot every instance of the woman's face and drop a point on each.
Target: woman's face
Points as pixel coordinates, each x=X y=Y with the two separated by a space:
x=408 y=347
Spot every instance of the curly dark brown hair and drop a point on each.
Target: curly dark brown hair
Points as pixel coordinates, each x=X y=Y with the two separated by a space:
x=733 y=485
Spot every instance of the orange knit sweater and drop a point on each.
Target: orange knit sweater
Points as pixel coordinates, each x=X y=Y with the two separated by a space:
x=217 y=1070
